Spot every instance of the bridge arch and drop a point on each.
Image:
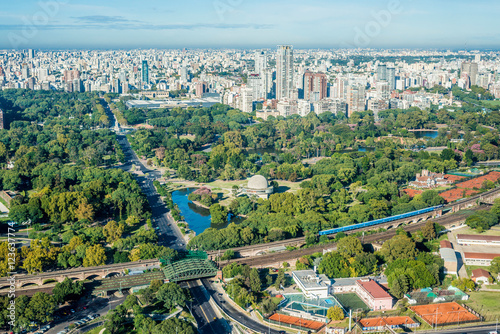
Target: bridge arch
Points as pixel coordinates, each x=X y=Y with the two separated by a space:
x=5 y=287
x=112 y=274
x=50 y=280
x=30 y=283
x=92 y=277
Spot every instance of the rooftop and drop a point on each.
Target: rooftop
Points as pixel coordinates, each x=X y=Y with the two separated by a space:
x=448 y=254
x=310 y=280
x=478 y=237
x=480 y=273
x=374 y=289
x=485 y=256
x=445 y=244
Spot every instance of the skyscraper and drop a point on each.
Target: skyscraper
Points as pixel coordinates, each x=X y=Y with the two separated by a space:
x=260 y=62
x=381 y=72
x=471 y=69
x=284 y=72
x=355 y=99
x=391 y=78
x=145 y=72
x=314 y=83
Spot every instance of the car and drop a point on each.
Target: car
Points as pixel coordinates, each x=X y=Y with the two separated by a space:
x=97 y=315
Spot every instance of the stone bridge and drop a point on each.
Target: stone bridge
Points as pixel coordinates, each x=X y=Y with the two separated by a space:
x=20 y=281
x=467 y=203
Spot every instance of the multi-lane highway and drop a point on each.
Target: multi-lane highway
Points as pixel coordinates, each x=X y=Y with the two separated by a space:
x=169 y=233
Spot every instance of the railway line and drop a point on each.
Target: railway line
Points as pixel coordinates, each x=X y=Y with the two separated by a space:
x=268 y=259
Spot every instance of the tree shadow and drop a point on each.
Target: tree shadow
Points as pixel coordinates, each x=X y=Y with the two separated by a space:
x=282 y=189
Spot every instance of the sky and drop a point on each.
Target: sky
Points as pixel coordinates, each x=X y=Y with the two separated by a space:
x=167 y=24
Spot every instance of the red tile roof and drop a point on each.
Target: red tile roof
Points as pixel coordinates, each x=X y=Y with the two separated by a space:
x=445 y=244
x=480 y=273
x=478 y=237
x=374 y=289
x=481 y=256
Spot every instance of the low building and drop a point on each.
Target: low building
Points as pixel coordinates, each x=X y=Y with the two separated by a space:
x=312 y=284
x=429 y=180
x=449 y=256
x=479 y=259
x=477 y=239
x=480 y=276
x=381 y=324
x=374 y=295
x=258 y=186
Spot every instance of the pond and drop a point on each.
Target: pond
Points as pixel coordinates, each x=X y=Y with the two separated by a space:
x=426 y=134
x=198 y=218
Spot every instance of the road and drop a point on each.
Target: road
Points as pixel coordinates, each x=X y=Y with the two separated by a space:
x=99 y=305
x=208 y=321
x=169 y=233
x=234 y=313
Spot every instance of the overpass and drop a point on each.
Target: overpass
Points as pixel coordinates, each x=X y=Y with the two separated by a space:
x=187 y=266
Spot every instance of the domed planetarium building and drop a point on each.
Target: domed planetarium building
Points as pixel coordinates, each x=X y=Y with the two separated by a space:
x=257 y=185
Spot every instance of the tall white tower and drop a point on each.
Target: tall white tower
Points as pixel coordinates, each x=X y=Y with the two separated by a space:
x=284 y=72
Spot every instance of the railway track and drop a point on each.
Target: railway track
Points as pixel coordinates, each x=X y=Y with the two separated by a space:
x=267 y=259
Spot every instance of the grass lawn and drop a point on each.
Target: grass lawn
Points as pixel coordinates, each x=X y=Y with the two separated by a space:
x=469 y=269
x=484 y=302
x=468 y=230
x=490 y=104
x=97 y=330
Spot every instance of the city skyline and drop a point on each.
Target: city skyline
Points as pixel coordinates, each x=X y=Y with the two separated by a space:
x=238 y=24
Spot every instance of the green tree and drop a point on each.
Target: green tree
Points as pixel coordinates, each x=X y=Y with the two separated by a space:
x=349 y=246
x=399 y=247
x=67 y=290
x=495 y=265
x=171 y=295
x=335 y=313
x=255 y=282
x=94 y=256
x=399 y=286
x=429 y=230
x=218 y=214
x=41 y=308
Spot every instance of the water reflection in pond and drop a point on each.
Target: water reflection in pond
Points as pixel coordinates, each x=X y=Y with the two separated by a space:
x=197 y=217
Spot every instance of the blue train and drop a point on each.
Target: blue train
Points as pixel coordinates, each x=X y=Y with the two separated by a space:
x=379 y=221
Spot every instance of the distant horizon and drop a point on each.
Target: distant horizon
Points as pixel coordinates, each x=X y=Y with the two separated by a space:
x=46 y=49
x=126 y=24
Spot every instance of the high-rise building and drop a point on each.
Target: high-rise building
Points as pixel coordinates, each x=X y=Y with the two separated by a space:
x=381 y=72
x=1 y=120
x=256 y=82
x=314 y=83
x=284 y=72
x=391 y=78
x=31 y=53
x=145 y=72
x=383 y=90
x=355 y=99
x=471 y=69
x=25 y=71
x=184 y=74
x=260 y=62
